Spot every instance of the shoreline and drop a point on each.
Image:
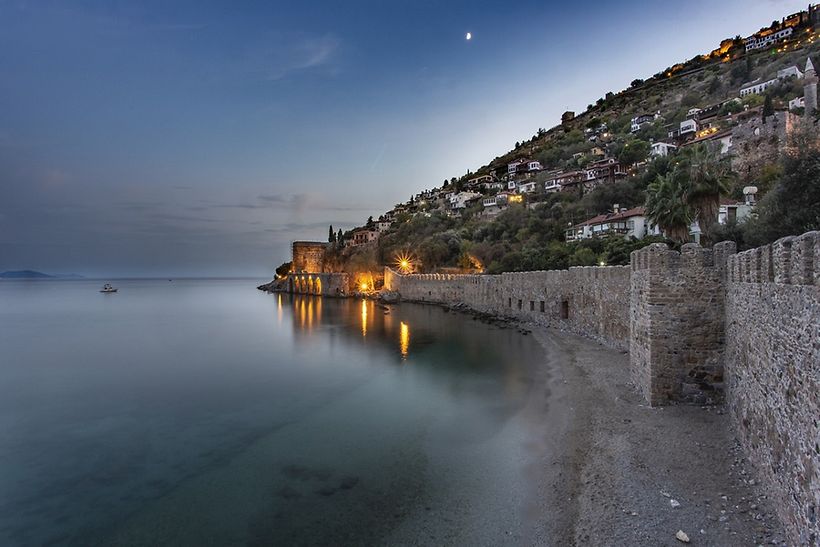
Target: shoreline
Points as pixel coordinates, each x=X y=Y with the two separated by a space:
x=635 y=475
x=630 y=474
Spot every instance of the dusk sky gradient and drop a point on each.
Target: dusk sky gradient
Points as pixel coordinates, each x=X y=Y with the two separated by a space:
x=199 y=138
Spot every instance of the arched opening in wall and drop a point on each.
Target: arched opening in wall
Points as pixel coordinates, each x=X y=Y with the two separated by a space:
x=565 y=309
x=318 y=286
x=311 y=288
x=520 y=303
x=532 y=305
x=290 y=285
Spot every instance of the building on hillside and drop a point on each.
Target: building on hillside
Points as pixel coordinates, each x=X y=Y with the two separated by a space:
x=527 y=187
x=661 y=149
x=460 y=200
x=569 y=179
x=713 y=135
x=797 y=102
x=789 y=72
x=730 y=211
x=757 y=88
x=363 y=236
x=478 y=182
x=382 y=225
x=523 y=166
x=688 y=126
x=767 y=37
x=603 y=171
x=622 y=222
x=641 y=121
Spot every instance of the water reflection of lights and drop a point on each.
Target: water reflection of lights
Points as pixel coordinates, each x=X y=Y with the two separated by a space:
x=364 y=317
x=404 y=340
x=279 y=311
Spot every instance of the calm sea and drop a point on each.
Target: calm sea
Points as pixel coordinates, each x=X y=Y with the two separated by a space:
x=204 y=412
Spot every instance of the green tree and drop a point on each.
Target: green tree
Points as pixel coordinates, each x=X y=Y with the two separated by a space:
x=768 y=106
x=792 y=207
x=666 y=207
x=284 y=269
x=707 y=176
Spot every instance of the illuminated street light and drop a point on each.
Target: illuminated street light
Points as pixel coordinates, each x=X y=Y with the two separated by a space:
x=404 y=262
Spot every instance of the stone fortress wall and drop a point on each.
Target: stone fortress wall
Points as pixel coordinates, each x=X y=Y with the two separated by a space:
x=701 y=325
x=772 y=361
x=308 y=256
x=589 y=301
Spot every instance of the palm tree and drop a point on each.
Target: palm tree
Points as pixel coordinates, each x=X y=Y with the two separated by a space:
x=667 y=207
x=708 y=176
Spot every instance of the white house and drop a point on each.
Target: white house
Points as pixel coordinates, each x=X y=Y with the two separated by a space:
x=784 y=73
x=628 y=223
x=527 y=187
x=766 y=38
x=459 y=200
x=756 y=88
x=797 y=102
x=688 y=126
x=552 y=185
x=729 y=211
x=659 y=149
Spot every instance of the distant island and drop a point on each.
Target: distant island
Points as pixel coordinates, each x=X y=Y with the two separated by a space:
x=31 y=274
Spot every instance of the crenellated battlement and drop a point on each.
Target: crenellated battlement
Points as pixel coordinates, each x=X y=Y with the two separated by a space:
x=790 y=261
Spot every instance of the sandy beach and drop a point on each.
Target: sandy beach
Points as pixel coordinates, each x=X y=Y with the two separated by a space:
x=628 y=474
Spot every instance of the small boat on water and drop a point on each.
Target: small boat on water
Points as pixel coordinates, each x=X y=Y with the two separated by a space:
x=108 y=288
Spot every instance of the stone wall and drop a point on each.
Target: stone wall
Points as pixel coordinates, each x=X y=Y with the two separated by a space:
x=308 y=256
x=773 y=373
x=691 y=319
x=677 y=322
x=590 y=301
x=321 y=284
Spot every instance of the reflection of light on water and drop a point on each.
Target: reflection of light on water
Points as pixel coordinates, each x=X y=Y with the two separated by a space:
x=279 y=308
x=364 y=317
x=302 y=312
x=310 y=315
x=404 y=340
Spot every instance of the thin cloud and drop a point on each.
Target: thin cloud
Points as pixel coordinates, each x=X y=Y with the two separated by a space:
x=284 y=54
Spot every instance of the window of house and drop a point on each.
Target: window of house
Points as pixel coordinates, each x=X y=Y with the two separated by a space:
x=543 y=306
x=520 y=304
x=564 y=309
x=532 y=305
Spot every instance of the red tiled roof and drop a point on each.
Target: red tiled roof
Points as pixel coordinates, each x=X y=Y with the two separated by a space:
x=610 y=217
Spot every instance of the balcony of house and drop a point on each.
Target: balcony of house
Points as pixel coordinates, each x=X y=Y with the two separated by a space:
x=610 y=228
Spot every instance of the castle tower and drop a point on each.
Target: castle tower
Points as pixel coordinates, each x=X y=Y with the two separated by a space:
x=810 y=88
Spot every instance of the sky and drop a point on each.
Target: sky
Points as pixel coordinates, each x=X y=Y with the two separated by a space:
x=199 y=138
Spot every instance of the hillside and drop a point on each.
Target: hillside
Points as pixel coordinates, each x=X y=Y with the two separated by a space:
x=24 y=274
x=539 y=205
